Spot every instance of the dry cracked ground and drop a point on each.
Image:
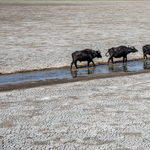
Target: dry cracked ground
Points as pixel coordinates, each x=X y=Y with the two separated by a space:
x=37 y=35
x=106 y=114
x=111 y=113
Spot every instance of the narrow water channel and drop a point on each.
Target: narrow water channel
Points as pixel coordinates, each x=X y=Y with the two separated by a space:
x=61 y=73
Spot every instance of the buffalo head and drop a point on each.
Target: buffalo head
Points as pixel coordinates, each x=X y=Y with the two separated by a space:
x=98 y=54
x=133 y=49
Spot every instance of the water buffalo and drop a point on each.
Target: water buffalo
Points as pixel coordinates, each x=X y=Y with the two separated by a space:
x=120 y=51
x=146 y=51
x=85 y=55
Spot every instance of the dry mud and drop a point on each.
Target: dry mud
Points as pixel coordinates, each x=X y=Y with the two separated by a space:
x=37 y=35
x=111 y=114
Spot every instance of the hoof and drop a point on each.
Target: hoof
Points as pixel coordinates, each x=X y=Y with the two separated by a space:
x=144 y=60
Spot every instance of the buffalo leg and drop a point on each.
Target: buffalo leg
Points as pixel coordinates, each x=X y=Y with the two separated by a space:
x=123 y=59
x=75 y=64
x=109 y=60
x=71 y=65
x=112 y=60
x=88 y=63
x=145 y=56
x=93 y=63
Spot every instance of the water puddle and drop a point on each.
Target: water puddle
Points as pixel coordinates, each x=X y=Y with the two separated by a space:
x=130 y=66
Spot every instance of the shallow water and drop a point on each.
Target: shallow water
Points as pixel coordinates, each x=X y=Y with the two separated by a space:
x=67 y=73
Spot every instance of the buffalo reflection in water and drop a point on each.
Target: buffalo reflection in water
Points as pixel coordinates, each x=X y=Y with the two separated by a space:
x=114 y=68
x=76 y=73
x=146 y=64
x=126 y=67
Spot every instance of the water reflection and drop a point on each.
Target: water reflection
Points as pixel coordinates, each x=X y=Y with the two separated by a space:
x=74 y=73
x=146 y=64
x=118 y=67
x=78 y=72
x=67 y=73
x=125 y=67
x=103 y=68
x=91 y=70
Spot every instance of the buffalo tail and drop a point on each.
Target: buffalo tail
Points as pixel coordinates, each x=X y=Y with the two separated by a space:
x=106 y=54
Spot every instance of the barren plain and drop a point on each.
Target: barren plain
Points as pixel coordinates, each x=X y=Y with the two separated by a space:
x=106 y=114
x=37 y=35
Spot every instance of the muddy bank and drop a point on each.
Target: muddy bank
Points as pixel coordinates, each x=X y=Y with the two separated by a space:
x=37 y=35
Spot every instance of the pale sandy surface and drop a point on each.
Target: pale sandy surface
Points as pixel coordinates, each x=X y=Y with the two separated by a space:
x=35 y=35
x=111 y=114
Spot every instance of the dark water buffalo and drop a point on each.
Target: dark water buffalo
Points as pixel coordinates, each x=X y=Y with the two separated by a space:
x=146 y=51
x=85 y=55
x=120 y=51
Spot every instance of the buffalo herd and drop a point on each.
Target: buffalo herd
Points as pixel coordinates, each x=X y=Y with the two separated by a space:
x=116 y=52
